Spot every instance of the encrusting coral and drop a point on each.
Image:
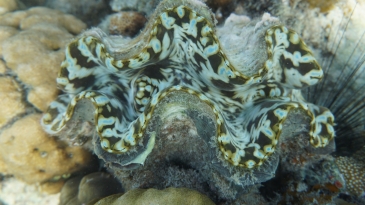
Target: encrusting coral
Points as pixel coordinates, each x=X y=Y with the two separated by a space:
x=31 y=49
x=113 y=94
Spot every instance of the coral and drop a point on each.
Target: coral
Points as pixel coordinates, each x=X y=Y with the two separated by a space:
x=8 y=5
x=152 y=196
x=83 y=189
x=16 y=192
x=11 y=100
x=32 y=156
x=31 y=49
x=320 y=183
x=2 y=67
x=354 y=174
x=44 y=33
x=126 y=23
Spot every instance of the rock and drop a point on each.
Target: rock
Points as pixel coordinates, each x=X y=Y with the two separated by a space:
x=81 y=190
x=126 y=23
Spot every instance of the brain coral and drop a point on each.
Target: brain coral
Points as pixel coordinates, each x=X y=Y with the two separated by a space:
x=31 y=49
x=113 y=93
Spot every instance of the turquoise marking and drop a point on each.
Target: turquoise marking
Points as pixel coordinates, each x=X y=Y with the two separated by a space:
x=267 y=132
x=167 y=21
x=280 y=113
x=268 y=149
x=106 y=121
x=210 y=50
x=101 y=99
x=180 y=11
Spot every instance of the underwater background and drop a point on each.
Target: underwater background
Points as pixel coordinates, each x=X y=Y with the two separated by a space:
x=72 y=72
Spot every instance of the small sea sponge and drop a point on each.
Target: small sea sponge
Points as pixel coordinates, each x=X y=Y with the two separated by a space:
x=354 y=173
x=181 y=196
x=32 y=156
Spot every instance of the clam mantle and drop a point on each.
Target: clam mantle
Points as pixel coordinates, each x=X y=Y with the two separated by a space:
x=179 y=51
